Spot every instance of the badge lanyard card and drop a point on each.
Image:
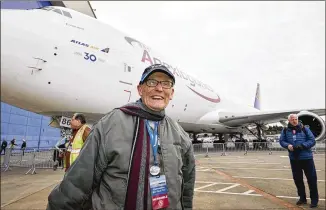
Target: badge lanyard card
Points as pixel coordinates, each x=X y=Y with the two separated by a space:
x=294 y=135
x=157 y=182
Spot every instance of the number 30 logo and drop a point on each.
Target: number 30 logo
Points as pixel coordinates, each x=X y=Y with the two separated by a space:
x=89 y=57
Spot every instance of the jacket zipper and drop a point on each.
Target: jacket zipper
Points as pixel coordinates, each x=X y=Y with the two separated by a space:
x=160 y=143
x=160 y=134
x=182 y=206
x=132 y=150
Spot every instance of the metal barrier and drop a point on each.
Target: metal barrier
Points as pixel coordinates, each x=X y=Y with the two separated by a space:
x=246 y=148
x=30 y=158
x=33 y=159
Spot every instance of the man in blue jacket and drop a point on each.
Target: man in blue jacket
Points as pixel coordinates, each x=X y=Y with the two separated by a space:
x=299 y=140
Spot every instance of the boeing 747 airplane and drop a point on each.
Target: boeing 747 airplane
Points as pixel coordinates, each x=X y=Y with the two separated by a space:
x=56 y=61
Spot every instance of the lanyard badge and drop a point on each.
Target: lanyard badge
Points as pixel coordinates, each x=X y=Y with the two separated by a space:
x=158 y=185
x=155 y=169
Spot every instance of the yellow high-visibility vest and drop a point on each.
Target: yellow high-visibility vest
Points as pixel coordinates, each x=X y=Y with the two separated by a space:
x=76 y=145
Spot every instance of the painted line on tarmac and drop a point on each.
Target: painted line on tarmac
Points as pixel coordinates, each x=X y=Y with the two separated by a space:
x=227 y=188
x=267 y=169
x=231 y=158
x=208 y=185
x=207 y=182
x=248 y=193
x=273 y=178
x=203 y=169
x=231 y=185
x=270 y=197
x=228 y=193
x=321 y=199
x=256 y=163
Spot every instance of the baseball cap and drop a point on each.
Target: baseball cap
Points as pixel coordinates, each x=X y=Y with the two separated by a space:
x=156 y=68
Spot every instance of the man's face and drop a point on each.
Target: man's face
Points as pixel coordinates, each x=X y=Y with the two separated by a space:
x=75 y=124
x=156 y=98
x=294 y=120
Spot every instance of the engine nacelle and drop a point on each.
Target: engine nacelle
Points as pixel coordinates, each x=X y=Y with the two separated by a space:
x=315 y=123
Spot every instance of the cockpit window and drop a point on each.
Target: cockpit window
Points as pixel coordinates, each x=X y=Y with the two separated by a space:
x=57 y=11
x=67 y=14
x=61 y=12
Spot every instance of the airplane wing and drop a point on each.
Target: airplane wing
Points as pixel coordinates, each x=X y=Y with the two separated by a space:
x=262 y=117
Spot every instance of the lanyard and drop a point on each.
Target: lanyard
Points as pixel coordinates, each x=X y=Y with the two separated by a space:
x=153 y=138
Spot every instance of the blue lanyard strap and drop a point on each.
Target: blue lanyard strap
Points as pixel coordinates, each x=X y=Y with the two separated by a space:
x=153 y=138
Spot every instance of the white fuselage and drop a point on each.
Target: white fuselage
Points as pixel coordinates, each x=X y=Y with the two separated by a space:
x=52 y=64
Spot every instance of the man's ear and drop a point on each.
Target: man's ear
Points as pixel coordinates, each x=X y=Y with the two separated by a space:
x=172 y=93
x=140 y=90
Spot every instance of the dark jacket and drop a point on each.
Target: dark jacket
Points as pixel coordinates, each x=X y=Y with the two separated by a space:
x=4 y=144
x=306 y=139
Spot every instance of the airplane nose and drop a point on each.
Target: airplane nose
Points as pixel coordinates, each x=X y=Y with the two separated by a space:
x=13 y=38
x=18 y=41
x=9 y=38
x=17 y=26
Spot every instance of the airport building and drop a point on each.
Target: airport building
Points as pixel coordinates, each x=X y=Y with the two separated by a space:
x=21 y=124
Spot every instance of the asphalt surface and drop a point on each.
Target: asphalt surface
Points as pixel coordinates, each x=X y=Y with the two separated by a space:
x=258 y=180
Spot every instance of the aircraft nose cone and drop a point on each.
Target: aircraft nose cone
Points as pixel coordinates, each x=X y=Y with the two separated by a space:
x=15 y=51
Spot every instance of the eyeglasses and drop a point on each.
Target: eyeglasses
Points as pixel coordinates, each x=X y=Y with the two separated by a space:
x=154 y=83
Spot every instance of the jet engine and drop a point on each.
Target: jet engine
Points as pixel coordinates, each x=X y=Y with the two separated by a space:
x=315 y=123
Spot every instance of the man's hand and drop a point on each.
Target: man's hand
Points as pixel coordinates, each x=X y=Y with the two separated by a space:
x=299 y=147
x=290 y=147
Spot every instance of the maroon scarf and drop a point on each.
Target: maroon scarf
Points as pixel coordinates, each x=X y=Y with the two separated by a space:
x=137 y=188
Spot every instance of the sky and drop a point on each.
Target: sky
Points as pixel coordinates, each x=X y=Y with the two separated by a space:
x=232 y=46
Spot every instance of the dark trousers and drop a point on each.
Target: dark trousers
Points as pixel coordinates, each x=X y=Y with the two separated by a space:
x=308 y=166
x=57 y=157
x=23 y=149
x=4 y=150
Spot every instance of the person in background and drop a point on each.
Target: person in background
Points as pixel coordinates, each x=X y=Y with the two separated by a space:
x=3 y=146
x=23 y=147
x=299 y=140
x=79 y=136
x=59 y=153
x=13 y=143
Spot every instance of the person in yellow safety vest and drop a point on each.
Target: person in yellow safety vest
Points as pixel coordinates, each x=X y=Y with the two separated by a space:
x=13 y=143
x=80 y=132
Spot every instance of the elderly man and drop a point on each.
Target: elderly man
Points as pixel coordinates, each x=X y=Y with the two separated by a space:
x=136 y=157
x=80 y=132
x=299 y=140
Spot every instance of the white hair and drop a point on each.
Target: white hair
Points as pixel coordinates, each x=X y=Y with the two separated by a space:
x=292 y=115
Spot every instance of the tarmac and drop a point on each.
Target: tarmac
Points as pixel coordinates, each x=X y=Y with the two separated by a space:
x=258 y=180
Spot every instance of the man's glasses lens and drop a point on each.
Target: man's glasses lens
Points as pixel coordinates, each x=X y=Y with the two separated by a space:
x=154 y=83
